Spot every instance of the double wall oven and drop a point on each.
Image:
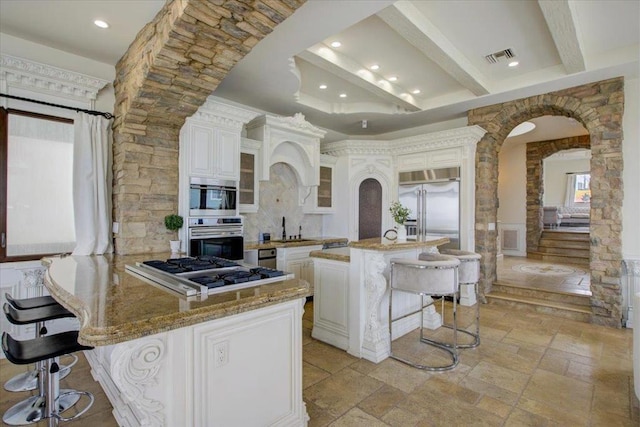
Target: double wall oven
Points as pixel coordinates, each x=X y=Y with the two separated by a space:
x=216 y=236
x=215 y=228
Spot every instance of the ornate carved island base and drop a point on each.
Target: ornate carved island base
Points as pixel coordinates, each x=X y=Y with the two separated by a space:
x=229 y=359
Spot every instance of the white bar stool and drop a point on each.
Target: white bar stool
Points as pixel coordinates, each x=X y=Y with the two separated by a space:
x=432 y=275
x=469 y=276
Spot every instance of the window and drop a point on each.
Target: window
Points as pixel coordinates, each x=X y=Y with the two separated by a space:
x=581 y=189
x=36 y=203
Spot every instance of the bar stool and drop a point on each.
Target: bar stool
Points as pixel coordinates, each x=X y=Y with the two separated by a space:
x=33 y=408
x=434 y=275
x=28 y=381
x=46 y=349
x=469 y=275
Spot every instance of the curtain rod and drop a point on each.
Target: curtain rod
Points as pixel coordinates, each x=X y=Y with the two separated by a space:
x=35 y=101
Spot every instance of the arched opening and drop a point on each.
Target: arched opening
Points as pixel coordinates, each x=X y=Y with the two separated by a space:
x=544 y=238
x=369 y=209
x=598 y=107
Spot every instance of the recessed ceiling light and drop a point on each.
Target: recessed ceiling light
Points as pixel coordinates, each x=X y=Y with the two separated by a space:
x=375 y=67
x=336 y=44
x=513 y=64
x=100 y=23
x=415 y=92
x=343 y=95
x=392 y=78
x=322 y=86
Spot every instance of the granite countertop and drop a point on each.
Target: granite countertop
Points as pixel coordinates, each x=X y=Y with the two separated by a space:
x=113 y=306
x=307 y=241
x=335 y=254
x=384 y=244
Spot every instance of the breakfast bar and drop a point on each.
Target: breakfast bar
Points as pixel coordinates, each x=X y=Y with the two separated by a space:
x=351 y=295
x=166 y=359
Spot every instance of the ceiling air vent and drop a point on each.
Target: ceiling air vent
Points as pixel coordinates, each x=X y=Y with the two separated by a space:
x=503 y=54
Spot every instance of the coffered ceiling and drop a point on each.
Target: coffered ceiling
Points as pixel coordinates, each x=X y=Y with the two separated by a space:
x=455 y=53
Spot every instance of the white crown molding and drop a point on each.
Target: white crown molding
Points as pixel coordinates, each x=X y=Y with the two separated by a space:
x=219 y=113
x=459 y=137
x=34 y=76
x=295 y=123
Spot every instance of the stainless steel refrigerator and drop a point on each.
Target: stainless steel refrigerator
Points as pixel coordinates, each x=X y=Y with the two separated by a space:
x=433 y=196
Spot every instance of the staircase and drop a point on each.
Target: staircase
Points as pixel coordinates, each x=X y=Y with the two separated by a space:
x=555 y=303
x=564 y=247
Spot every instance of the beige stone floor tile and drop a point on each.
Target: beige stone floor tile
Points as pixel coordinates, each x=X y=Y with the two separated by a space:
x=603 y=419
x=382 y=400
x=442 y=389
x=548 y=393
x=312 y=375
x=357 y=418
x=520 y=418
x=488 y=333
x=342 y=391
x=586 y=347
x=554 y=362
x=398 y=417
x=508 y=379
x=443 y=410
x=326 y=357
x=399 y=375
x=494 y=406
x=555 y=416
x=503 y=395
x=612 y=401
x=364 y=366
x=529 y=336
x=318 y=417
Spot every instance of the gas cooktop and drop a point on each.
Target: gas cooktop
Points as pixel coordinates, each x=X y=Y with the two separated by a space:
x=205 y=275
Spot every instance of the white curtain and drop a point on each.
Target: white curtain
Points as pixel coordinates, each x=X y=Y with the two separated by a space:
x=92 y=176
x=571 y=188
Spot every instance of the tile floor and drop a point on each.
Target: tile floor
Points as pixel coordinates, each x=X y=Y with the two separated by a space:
x=530 y=370
x=537 y=274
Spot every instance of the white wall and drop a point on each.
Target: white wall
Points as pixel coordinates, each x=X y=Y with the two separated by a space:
x=512 y=183
x=14 y=46
x=631 y=174
x=555 y=178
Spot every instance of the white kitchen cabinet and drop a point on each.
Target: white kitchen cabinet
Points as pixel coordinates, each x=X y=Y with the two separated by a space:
x=210 y=373
x=322 y=197
x=331 y=301
x=211 y=152
x=249 y=188
x=296 y=260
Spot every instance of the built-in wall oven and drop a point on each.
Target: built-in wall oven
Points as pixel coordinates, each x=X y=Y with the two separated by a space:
x=212 y=197
x=217 y=236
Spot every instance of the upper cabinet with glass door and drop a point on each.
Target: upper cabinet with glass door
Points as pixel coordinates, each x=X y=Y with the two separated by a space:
x=249 y=185
x=322 y=199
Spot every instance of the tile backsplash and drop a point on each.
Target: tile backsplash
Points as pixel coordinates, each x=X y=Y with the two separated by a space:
x=278 y=198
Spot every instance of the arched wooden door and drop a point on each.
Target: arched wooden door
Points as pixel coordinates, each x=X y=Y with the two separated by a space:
x=369 y=209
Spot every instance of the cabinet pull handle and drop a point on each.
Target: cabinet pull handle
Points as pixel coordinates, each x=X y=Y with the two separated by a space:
x=3 y=243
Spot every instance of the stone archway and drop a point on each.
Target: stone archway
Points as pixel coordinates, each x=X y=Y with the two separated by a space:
x=536 y=153
x=599 y=107
x=176 y=61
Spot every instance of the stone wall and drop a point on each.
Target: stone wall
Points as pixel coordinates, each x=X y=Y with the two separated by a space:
x=536 y=153
x=175 y=62
x=599 y=107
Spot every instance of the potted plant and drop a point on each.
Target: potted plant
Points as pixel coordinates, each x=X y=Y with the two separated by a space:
x=400 y=214
x=174 y=222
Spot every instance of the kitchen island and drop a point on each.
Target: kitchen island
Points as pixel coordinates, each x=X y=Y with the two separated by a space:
x=351 y=295
x=168 y=360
